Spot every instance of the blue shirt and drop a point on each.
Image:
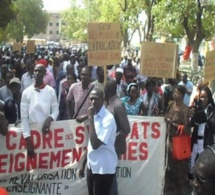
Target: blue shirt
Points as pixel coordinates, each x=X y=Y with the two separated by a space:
x=132 y=109
x=189 y=87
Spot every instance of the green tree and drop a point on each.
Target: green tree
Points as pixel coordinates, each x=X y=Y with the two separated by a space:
x=129 y=18
x=75 y=20
x=77 y=17
x=125 y=12
x=6 y=12
x=186 y=17
x=150 y=20
x=30 y=20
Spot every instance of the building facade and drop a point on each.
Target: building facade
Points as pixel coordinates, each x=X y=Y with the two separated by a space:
x=53 y=30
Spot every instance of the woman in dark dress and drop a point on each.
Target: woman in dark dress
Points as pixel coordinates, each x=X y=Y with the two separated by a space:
x=177 y=114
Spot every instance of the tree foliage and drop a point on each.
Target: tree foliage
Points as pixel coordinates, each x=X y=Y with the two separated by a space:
x=178 y=18
x=6 y=12
x=30 y=20
x=75 y=20
x=185 y=17
x=125 y=12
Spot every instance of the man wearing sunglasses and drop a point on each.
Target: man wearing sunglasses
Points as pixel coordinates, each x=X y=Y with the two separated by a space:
x=204 y=173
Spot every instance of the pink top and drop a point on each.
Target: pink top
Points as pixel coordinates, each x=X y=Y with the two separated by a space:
x=49 y=79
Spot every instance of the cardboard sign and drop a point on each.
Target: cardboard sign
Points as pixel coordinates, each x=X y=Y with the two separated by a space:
x=30 y=46
x=104 y=44
x=159 y=59
x=17 y=47
x=209 y=66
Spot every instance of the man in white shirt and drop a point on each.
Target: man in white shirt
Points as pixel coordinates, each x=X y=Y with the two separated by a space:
x=38 y=105
x=101 y=157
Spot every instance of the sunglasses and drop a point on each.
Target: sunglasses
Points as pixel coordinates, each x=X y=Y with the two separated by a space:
x=199 y=178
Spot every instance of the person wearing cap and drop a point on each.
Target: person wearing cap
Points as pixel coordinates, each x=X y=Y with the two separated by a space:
x=49 y=77
x=38 y=105
x=12 y=104
x=121 y=84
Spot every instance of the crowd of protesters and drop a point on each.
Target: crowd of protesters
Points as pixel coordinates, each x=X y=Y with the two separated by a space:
x=23 y=95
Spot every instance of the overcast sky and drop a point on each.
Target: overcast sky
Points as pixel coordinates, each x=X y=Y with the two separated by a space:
x=56 y=5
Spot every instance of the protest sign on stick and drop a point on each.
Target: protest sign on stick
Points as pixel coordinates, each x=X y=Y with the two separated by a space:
x=17 y=47
x=104 y=44
x=159 y=59
x=30 y=46
x=209 y=66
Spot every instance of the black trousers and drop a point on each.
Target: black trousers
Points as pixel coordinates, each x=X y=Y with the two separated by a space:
x=99 y=184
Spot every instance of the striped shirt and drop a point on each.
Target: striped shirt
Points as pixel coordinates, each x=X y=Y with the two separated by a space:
x=77 y=94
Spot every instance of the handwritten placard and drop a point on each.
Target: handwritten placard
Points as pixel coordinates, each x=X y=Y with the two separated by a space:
x=17 y=47
x=209 y=66
x=159 y=59
x=104 y=44
x=30 y=46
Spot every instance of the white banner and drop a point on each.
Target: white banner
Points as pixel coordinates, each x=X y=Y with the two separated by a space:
x=58 y=157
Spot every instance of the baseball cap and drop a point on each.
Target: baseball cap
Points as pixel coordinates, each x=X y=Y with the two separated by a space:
x=119 y=70
x=15 y=80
